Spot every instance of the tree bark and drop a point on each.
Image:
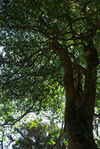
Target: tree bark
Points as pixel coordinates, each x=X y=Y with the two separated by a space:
x=79 y=119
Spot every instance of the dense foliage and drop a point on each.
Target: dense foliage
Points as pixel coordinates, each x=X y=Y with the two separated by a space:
x=41 y=42
x=39 y=135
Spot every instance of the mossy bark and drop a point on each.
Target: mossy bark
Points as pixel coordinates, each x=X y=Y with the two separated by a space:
x=79 y=117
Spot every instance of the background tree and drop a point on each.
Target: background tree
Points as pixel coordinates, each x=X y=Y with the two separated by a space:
x=46 y=45
x=39 y=135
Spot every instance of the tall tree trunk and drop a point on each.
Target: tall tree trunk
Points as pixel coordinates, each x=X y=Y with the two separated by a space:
x=79 y=117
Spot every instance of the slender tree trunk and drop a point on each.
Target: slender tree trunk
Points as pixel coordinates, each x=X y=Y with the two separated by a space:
x=79 y=117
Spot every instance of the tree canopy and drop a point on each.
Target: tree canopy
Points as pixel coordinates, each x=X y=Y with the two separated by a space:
x=51 y=48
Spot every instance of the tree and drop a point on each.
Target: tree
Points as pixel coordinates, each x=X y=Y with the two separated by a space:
x=39 y=135
x=46 y=45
